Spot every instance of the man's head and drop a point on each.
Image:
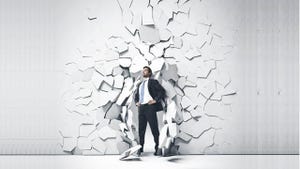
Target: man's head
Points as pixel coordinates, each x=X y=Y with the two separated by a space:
x=147 y=72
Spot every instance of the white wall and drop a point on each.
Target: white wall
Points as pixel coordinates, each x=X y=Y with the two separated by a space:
x=30 y=73
x=38 y=37
x=266 y=71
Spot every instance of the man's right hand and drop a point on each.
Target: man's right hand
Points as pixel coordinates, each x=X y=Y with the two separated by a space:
x=138 y=104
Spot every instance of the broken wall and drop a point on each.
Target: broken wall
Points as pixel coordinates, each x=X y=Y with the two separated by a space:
x=72 y=46
x=185 y=51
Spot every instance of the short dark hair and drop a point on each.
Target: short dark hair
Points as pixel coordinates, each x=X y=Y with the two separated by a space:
x=149 y=69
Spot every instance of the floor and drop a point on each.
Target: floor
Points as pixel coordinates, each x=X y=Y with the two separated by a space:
x=148 y=161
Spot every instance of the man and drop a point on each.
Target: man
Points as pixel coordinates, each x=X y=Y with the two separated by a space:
x=148 y=97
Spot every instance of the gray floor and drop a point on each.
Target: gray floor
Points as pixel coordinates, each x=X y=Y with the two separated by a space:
x=149 y=161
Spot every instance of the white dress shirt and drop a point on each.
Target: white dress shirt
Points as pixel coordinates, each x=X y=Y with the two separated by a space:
x=147 y=96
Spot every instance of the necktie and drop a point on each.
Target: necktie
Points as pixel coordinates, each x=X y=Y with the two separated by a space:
x=142 y=92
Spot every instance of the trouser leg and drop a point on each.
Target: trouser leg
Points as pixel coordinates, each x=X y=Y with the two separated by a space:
x=152 y=119
x=142 y=126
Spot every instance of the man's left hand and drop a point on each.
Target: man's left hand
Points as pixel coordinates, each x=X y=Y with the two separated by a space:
x=152 y=101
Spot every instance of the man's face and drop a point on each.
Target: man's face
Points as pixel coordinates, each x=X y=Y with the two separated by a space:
x=146 y=72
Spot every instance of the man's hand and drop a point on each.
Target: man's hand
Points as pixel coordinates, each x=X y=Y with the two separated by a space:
x=152 y=101
x=138 y=104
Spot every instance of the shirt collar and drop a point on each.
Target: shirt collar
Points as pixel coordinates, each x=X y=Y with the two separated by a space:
x=145 y=78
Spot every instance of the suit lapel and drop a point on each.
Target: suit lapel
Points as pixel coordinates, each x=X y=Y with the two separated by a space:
x=149 y=84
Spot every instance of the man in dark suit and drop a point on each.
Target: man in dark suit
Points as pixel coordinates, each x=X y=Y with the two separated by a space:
x=148 y=97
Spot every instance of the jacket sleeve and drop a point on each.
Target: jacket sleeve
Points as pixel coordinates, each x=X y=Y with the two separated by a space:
x=161 y=92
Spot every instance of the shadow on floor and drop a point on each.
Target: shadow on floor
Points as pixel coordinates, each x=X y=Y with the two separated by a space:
x=132 y=159
x=147 y=154
x=174 y=159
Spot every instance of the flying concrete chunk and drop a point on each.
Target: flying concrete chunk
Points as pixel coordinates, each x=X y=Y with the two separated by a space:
x=69 y=143
x=147 y=16
x=86 y=130
x=84 y=143
x=106 y=133
x=130 y=152
x=149 y=34
x=195 y=127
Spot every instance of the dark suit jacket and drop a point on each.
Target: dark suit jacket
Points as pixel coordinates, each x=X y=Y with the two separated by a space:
x=156 y=91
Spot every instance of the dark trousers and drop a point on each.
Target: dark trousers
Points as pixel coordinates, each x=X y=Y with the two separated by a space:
x=147 y=113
